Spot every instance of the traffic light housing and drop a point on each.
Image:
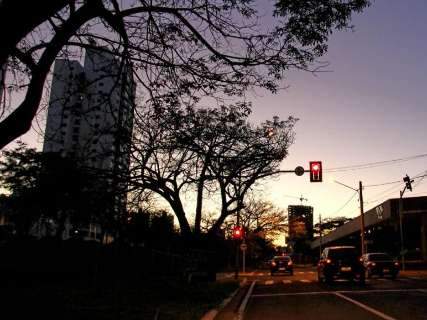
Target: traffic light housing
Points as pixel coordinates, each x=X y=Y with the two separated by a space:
x=315 y=171
x=238 y=233
x=408 y=182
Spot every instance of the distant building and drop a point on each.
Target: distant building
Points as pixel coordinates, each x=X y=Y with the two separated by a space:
x=382 y=229
x=300 y=221
x=90 y=119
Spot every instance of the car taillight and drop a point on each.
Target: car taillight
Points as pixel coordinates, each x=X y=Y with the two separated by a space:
x=328 y=261
x=273 y=264
x=289 y=263
x=396 y=264
x=373 y=264
x=361 y=259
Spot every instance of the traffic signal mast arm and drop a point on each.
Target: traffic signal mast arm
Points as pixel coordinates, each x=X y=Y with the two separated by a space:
x=315 y=170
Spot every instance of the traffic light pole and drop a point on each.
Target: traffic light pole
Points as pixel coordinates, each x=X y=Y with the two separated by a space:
x=402 y=246
x=362 y=219
x=408 y=186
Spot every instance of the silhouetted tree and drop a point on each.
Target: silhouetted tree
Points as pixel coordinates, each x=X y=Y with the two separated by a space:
x=262 y=217
x=180 y=51
x=47 y=186
x=329 y=224
x=206 y=151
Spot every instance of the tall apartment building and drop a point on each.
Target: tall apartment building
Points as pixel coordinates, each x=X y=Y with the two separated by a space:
x=90 y=118
x=90 y=113
x=300 y=220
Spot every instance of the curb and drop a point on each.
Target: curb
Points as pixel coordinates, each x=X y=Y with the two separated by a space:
x=211 y=314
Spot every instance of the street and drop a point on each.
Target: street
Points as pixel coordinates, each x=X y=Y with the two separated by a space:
x=301 y=297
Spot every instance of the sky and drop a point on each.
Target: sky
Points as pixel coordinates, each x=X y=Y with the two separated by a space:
x=369 y=107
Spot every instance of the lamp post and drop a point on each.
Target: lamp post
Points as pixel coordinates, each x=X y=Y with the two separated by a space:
x=362 y=215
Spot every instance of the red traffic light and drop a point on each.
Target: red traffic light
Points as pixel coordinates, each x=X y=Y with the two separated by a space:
x=315 y=171
x=238 y=232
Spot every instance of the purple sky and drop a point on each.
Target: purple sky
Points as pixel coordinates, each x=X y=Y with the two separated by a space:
x=369 y=108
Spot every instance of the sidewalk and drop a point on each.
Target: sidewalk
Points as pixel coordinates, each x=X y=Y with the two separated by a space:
x=414 y=273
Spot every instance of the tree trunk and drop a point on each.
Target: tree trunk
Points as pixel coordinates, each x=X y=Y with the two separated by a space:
x=182 y=220
x=199 y=204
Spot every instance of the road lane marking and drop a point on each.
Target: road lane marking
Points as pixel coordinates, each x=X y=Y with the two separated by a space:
x=261 y=273
x=305 y=281
x=242 y=307
x=269 y=282
x=300 y=272
x=265 y=295
x=286 y=281
x=365 y=307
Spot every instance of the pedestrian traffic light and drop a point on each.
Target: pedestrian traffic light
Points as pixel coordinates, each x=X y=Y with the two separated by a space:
x=238 y=233
x=408 y=182
x=315 y=171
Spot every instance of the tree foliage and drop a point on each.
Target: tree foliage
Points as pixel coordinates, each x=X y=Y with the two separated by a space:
x=206 y=151
x=46 y=186
x=260 y=216
x=180 y=50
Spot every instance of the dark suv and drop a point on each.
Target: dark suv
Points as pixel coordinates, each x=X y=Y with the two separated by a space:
x=281 y=264
x=340 y=263
x=379 y=264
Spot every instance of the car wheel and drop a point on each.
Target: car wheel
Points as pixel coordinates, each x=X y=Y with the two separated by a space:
x=291 y=272
x=329 y=279
x=362 y=279
x=271 y=273
x=320 y=279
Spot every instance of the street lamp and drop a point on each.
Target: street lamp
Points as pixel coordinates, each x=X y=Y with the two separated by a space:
x=362 y=215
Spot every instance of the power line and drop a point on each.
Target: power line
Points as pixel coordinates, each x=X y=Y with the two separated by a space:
x=346 y=203
x=382 y=184
x=374 y=164
x=393 y=189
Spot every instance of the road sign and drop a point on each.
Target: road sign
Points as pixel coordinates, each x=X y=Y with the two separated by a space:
x=243 y=246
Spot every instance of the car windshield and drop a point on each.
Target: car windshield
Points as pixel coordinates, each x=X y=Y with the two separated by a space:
x=282 y=258
x=379 y=256
x=342 y=253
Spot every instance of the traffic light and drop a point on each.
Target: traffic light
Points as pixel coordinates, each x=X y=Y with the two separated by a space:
x=408 y=182
x=315 y=171
x=238 y=233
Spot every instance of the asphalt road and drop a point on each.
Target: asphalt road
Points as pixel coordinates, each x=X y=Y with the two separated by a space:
x=301 y=297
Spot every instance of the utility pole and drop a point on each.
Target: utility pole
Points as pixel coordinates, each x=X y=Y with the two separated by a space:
x=320 y=234
x=362 y=215
x=362 y=219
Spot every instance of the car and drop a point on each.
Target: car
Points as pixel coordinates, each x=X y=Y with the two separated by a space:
x=281 y=264
x=340 y=262
x=379 y=263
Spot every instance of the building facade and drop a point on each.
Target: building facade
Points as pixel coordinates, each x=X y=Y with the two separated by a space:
x=300 y=221
x=382 y=225
x=90 y=120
